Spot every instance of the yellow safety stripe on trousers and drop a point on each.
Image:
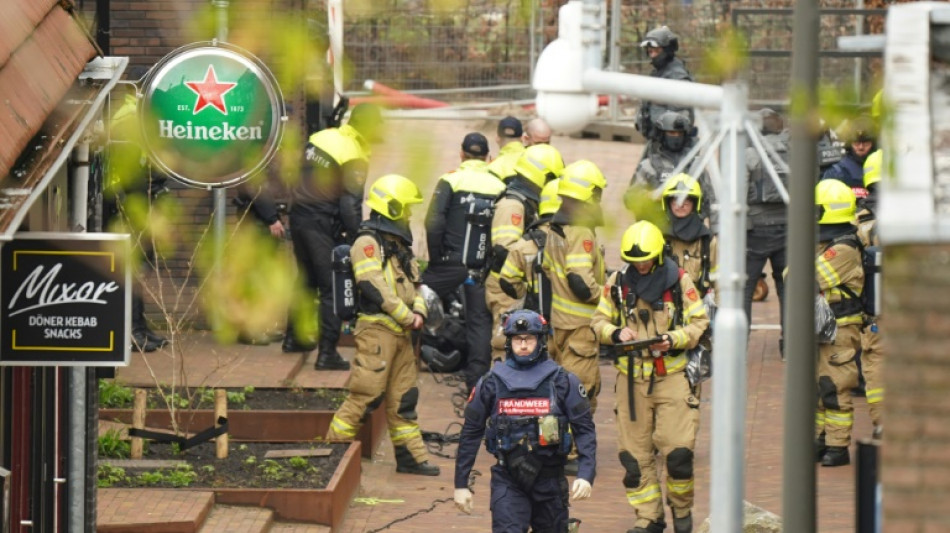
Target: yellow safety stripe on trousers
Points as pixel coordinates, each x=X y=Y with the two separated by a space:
x=564 y=305
x=578 y=260
x=508 y=231
x=875 y=395
x=827 y=273
x=647 y=494
x=843 y=419
x=683 y=487
x=366 y=265
x=400 y=434
x=509 y=270
x=342 y=428
x=385 y=320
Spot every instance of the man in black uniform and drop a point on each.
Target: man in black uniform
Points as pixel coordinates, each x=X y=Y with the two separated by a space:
x=326 y=211
x=533 y=408
x=661 y=45
x=447 y=222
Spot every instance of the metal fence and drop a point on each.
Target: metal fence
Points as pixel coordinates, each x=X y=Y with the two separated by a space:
x=435 y=46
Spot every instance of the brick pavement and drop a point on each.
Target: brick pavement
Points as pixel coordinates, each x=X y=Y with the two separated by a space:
x=231 y=518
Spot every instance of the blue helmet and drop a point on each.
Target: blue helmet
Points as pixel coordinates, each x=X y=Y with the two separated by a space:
x=525 y=322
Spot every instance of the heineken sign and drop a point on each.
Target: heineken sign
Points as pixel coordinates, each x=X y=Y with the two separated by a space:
x=212 y=115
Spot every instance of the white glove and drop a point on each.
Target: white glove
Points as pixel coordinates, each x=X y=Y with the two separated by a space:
x=463 y=499
x=579 y=491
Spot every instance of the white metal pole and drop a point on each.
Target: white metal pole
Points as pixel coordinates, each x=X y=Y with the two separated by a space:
x=729 y=340
x=335 y=51
x=613 y=106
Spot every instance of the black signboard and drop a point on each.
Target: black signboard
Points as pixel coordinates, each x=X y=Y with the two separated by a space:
x=66 y=300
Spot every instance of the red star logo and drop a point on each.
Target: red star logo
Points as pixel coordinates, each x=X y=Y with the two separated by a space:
x=210 y=92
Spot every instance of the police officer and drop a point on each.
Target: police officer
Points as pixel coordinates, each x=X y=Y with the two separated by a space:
x=861 y=140
x=516 y=209
x=573 y=261
x=840 y=278
x=510 y=147
x=520 y=277
x=690 y=242
x=326 y=211
x=872 y=354
x=534 y=409
x=447 y=222
x=656 y=408
x=767 y=216
x=389 y=307
x=661 y=45
x=129 y=174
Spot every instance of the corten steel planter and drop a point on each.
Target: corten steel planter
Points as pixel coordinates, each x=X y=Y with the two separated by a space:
x=319 y=506
x=254 y=425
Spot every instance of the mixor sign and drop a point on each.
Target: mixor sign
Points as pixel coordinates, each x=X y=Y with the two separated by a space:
x=66 y=300
x=212 y=114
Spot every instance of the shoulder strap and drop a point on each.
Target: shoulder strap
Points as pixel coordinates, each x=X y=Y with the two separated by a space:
x=706 y=263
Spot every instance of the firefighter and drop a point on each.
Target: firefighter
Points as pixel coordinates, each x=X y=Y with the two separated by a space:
x=534 y=410
x=326 y=208
x=652 y=298
x=574 y=263
x=389 y=306
x=840 y=277
x=861 y=139
x=510 y=148
x=456 y=255
x=690 y=241
x=872 y=355
x=516 y=209
x=520 y=275
x=661 y=45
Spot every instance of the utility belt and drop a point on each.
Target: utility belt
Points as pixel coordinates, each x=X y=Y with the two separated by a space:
x=847 y=307
x=525 y=468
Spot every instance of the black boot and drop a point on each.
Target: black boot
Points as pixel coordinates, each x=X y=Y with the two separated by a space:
x=406 y=464
x=820 y=448
x=140 y=339
x=683 y=524
x=836 y=456
x=331 y=361
x=155 y=338
x=653 y=527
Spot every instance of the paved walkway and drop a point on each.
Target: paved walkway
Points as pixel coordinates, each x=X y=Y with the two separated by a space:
x=207 y=364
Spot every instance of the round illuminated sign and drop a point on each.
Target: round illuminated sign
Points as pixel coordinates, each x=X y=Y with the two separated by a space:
x=212 y=114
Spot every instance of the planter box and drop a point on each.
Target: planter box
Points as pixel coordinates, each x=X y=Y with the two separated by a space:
x=262 y=425
x=319 y=506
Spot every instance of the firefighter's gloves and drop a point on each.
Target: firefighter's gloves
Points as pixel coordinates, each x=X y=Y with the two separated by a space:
x=579 y=491
x=463 y=499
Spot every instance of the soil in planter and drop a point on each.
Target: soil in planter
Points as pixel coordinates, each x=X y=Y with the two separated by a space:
x=245 y=467
x=248 y=398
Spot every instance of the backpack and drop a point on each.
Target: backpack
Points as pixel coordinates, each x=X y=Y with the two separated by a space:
x=872 y=259
x=343 y=280
x=478 y=218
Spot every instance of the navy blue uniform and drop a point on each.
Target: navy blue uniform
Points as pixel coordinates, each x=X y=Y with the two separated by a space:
x=528 y=485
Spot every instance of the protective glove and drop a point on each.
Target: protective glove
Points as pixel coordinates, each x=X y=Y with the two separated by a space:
x=579 y=491
x=463 y=499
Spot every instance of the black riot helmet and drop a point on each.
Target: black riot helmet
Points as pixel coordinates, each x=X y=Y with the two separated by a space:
x=674 y=128
x=663 y=38
x=525 y=322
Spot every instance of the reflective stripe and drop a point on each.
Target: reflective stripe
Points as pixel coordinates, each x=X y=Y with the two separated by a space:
x=419 y=305
x=875 y=395
x=850 y=320
x=820 y=418
x=558 y=303
x=696 y=309
x=342 y=428
x=509 y=270
x=647 y=494
x=385 y=320
x=605 y=307
x=674 y=363
x=366 y=265
x=511 y=232
x=828 y=273
x=678 y=338
x=401 y=434
x=679 y=487
x=839 y=418
x=578 y=260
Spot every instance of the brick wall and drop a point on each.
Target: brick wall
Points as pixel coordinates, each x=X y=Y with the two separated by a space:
x=915 y=456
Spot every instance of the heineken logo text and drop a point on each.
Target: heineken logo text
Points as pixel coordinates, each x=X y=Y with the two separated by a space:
x=168 y=129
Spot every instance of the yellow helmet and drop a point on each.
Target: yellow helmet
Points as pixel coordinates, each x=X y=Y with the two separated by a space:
x=539 y=164
x=391 y=194
x=550 y=201
x=641 y=242
x=683 y=185
x=835 y=201
x=872 y=168
x=582 y=181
